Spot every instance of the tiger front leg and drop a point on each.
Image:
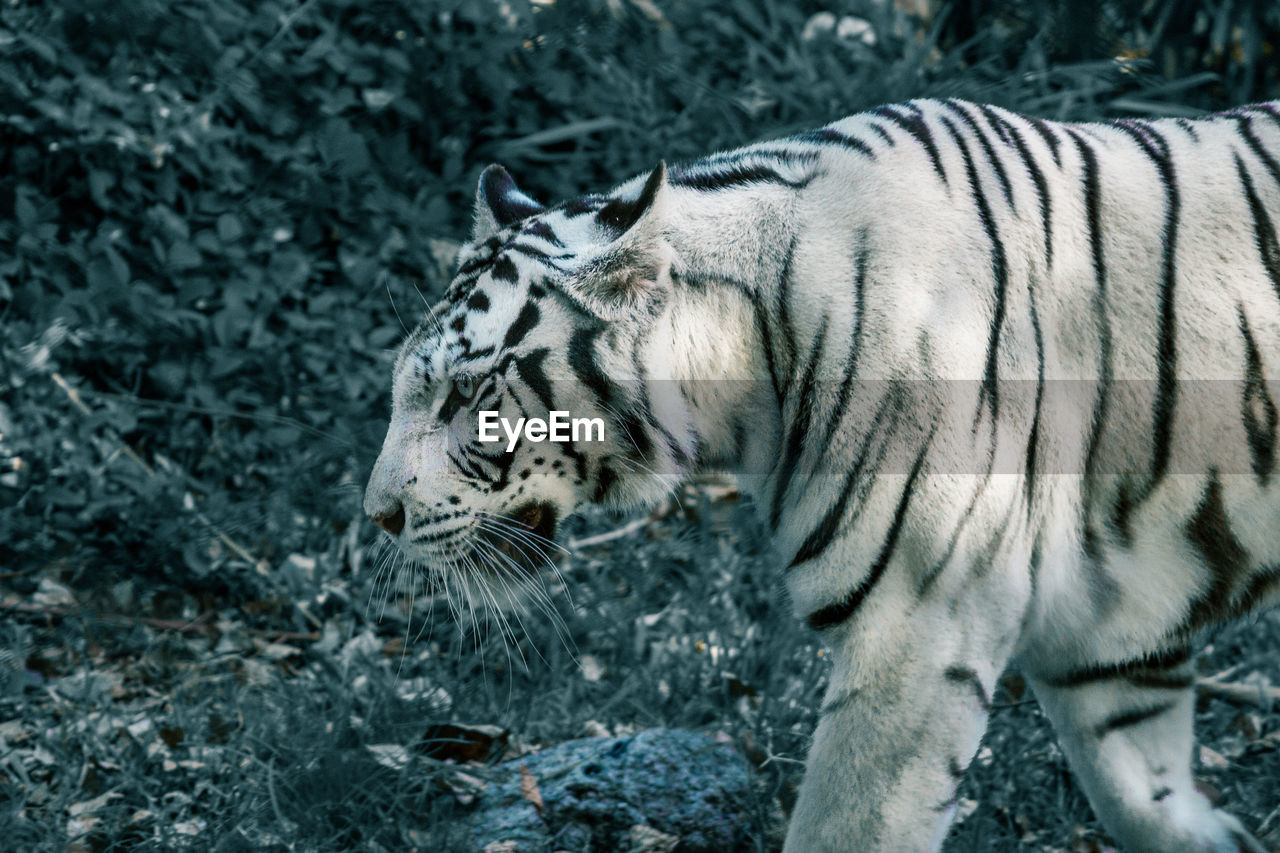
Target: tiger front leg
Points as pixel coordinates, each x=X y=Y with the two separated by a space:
x=901 y=721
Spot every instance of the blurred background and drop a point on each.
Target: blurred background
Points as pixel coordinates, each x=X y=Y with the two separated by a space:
x=222 y=215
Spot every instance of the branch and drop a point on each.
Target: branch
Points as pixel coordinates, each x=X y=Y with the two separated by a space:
x=74 y=396
x=1245 y=695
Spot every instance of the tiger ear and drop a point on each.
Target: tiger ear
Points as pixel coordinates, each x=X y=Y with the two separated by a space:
x=499 y=203
x=634 y=268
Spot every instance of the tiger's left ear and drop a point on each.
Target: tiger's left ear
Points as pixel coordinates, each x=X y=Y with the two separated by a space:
x=499 y=203
x=634 y=268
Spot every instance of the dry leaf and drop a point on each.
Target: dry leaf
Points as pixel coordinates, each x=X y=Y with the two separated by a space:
x=646 y=839
x=390 y=755
x=592 y=669
x=529 y=788
x=1212 y=759
x=464 y=743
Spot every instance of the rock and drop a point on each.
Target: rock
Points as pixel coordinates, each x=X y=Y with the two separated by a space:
x=655 y=790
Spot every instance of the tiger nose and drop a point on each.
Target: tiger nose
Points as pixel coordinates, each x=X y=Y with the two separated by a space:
x=392 y=522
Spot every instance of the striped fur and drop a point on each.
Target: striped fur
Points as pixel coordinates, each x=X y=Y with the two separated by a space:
x=1001 y=388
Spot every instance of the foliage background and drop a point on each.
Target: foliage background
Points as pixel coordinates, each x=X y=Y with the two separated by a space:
x=223 y=213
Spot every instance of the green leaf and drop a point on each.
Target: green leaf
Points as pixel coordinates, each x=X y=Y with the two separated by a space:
x=24 y=210
x=119 y=267
x=229 y=228
x=184 y=256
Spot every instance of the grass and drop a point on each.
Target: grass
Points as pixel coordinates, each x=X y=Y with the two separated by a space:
x=200 y=642
x=220 y=725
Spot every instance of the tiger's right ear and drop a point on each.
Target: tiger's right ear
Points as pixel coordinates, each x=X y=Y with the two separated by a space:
x=632 y=270
x=499 y=203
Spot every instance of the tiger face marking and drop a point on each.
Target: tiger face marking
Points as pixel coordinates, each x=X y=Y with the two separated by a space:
x=1001 y=388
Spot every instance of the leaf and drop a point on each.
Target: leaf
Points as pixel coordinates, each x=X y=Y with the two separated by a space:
x=229 y=228
x=119 y=267
x=184 y=256
x=529 y=788
x=24 y=210
x=464 y=743
x=393 y=756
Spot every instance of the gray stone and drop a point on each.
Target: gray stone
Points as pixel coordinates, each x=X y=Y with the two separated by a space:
x=599 y=794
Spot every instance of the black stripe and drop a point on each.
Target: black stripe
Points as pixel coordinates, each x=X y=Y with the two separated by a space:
x=1033 y=440
x=821 y=537
x=504 y=270
x=1050 y=138
x=733 y=176
x=1269 y=111
x=1005 y=187
x=884 y=134
x=935 y=571
x=605 y=478
x=531 y=373
x=1037 y=179
x=1189 y=128
x=1101 y=311
x=784 y=307
x=1255 y=145
x=1209 y=531
x=1127 y=719
x=799 y=426
x=1260 y=586
x=538 y=254
x=919 y=130
x=1261 y=432
x=1152 y=680
x=855 y=342
x=475 y=354
x=645 y=405
x=582 y=361
x=542 y=230
x=831 y=136
x=1157 y=149
x=1168 y=659
x=1264 y=234
x=524 y=322
x=834 y=614
x=990 y=388
x=478 y=301
x=766 y=343
x=966 y=675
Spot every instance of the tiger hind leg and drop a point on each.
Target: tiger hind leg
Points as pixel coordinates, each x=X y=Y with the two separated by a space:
x=1127 y=733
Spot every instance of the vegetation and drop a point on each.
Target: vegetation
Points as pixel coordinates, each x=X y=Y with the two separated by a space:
x=224 y=212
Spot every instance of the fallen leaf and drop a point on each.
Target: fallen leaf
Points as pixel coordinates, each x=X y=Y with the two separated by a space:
x=646 y=839
x=90 y=806
x=592 y=669
x=464 y=743
x=529 y=788
x=1212 y=759
x=390 y=755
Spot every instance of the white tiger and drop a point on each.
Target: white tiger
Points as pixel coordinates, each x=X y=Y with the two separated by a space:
x=999 y=387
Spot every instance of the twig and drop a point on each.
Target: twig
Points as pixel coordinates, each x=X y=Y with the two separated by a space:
x=601 y=538
x=74 y=396
x=184 y=625
x=201 y=622
x=1246 y=695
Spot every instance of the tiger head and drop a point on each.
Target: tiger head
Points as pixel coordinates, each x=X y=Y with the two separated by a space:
x=551 y=311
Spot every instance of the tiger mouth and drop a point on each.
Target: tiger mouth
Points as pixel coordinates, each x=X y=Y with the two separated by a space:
x=528 y=536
